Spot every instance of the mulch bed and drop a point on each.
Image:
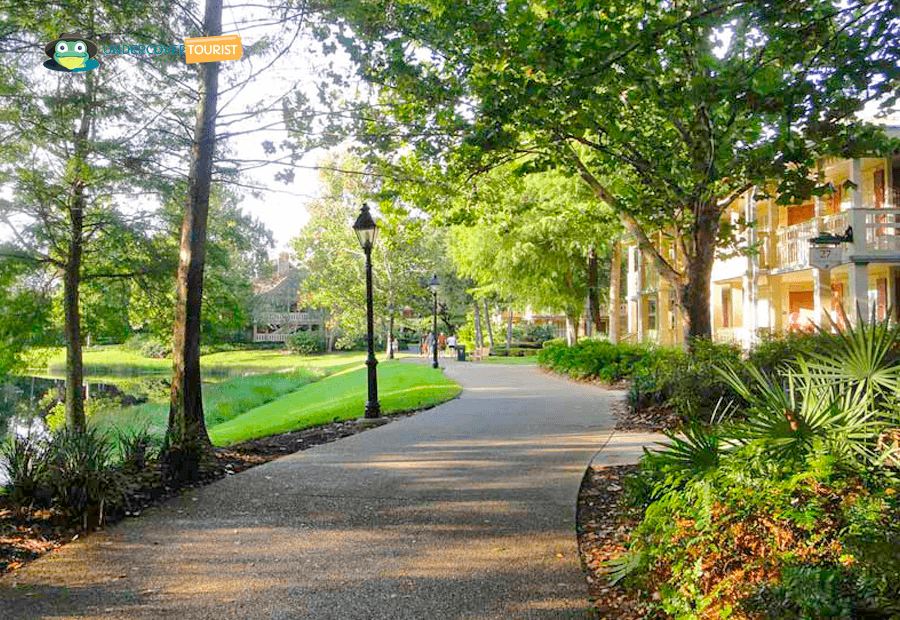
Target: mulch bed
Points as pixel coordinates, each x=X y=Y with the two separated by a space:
x=604 y=525
x=28 y=533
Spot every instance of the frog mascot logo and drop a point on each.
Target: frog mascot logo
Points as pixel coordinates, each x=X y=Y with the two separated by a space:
x=71 y=53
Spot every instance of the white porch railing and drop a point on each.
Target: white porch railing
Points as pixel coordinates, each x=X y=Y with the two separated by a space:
x=880 y=231
x=271 y=337
x=287 y=317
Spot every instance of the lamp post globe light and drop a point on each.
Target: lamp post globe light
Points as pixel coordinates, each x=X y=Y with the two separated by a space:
x=433 y=284
x=366 y=230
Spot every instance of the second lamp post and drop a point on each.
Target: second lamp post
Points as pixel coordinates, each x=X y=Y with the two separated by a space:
x=365 y=230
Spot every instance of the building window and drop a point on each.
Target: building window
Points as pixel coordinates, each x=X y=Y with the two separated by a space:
x=651 y=314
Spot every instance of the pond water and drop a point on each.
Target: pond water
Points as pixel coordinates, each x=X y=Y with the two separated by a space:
x=25 y=400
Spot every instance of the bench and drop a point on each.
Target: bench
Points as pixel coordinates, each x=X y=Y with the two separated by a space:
x=480 y=353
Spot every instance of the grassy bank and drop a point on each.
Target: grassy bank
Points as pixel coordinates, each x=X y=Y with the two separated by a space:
x=401 y=387
x=221 y=401
x=116 y=360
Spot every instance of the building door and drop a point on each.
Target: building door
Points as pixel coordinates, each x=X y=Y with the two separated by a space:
x=726 y=307
x=881 y=301
x=801 y=306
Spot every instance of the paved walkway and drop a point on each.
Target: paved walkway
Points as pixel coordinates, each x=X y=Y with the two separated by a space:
x=465 y=511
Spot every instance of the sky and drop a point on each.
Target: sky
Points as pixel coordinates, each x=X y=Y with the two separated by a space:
x=283 y=207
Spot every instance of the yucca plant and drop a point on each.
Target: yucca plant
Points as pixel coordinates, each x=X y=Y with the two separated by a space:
x=80 y=469
x=25 y=461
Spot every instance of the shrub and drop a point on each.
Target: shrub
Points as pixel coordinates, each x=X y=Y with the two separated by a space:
x=156 y=349
x=80 y=470
x=514 y=352
x=25 y=461
x=307 y=343
x=538 y=334
x=813 y=543
x=697 y=386
x=653 y=378
x=773 y=351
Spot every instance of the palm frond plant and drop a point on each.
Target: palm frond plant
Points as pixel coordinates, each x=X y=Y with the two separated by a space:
x=808 y=409
x=867 y=354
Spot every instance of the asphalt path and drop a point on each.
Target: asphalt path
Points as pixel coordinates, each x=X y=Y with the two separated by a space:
x=465 y=511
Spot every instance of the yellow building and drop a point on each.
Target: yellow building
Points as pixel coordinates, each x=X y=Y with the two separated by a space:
x=776 y=288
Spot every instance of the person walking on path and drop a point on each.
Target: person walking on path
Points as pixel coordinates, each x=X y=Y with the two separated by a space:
x=451 y=346
x=442 y=343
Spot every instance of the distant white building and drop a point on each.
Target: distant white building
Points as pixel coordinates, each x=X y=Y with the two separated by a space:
x=277 y=314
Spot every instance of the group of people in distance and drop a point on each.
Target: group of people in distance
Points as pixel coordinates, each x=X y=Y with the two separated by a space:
x=446 y=344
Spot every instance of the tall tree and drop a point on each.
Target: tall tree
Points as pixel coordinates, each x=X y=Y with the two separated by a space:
x=667 y=111
x=63 y=146
x=539 y=240
x=187 y=437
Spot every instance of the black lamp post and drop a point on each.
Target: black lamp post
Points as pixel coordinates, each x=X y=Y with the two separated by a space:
x=365 y=230
x=433 y=283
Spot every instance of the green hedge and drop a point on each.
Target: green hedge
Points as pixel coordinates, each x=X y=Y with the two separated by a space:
x=592 y=359
x=668 y=375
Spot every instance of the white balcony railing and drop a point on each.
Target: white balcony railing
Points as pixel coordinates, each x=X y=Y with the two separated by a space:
x=792 y=243
x=271 y=337
x=880 y=232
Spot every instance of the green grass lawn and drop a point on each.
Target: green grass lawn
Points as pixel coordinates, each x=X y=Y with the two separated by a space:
x=401 y=387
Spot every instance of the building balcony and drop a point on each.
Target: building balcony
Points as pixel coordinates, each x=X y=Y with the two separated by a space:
x=876 y=231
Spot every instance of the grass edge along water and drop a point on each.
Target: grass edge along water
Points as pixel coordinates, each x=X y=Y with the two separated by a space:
x=340 y=396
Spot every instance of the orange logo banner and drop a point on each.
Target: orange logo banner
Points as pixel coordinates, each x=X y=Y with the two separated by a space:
x=212 y=49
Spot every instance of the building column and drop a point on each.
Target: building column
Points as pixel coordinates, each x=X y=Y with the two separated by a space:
x=822 y=296
x=859 y=271
x=777 y=311
x=663 y=307
x=750 y=280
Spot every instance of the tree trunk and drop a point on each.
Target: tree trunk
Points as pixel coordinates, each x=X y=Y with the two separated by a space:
x=593 y=290
x=487 y=320
x=615 y=280
x=187 y=437
x=509 y=324
x=571 y=329
x=390 y=338
x=75 y=418
x=479 y=337
x=74 y=363
x=693 y=296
